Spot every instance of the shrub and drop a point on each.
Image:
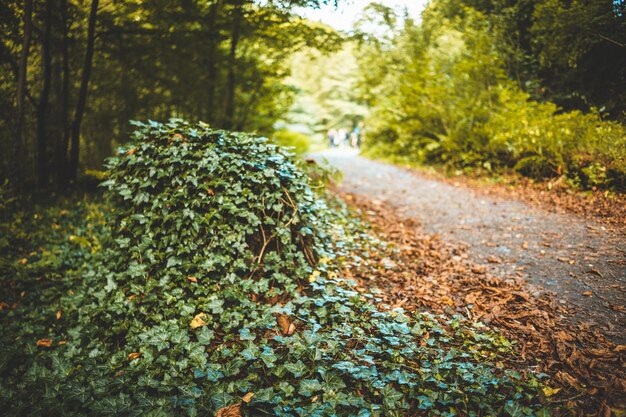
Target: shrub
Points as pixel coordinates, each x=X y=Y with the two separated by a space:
x=447 y=100
x=538 y=141
x=217 y=286
x=296 y=140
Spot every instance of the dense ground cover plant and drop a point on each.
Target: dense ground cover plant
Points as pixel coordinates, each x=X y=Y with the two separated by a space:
x=216 y=284
x=43 y=247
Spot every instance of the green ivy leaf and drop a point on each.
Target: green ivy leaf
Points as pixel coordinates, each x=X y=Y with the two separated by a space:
x=308 y=387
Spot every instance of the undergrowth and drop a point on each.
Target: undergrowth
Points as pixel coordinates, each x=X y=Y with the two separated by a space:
x=210 y=278
x=445 y=99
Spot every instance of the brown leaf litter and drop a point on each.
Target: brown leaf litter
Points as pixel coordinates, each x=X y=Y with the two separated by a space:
x=421 y=272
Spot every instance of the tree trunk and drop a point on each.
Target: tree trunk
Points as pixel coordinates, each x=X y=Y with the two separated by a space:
x=44 y=98
x=213 y=39
x=63 y=141
x=18 y=144
x=229 y=96
x=247 y=109
x=82 y=95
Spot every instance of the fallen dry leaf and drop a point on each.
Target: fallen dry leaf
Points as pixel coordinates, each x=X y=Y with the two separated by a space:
x=192 y=279
x=230 y=411
x=59 y=314
x=44 y=342
x=447 y=300
x=587 y=293
x=131 y=151
x=287 y=328
x=549 y=391
x=248 y=397
x=134 y=355
x=494 y=260
x=479 y=269
x=198 y=321
x=567 y=379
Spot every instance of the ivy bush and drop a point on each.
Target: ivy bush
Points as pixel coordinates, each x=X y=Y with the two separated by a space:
x=216 y=285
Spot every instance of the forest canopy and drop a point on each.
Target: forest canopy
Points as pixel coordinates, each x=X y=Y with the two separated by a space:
x=74 y=73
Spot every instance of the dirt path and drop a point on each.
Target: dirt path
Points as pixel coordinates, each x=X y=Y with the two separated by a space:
x=580 y=261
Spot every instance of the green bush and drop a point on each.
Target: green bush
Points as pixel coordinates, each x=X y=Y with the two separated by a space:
x=296 y=140
x=217 y=279
x=538 y=141
x=449 y=101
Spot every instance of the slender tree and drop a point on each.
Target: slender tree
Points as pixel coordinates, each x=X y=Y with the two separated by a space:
x=82 y=95
x=212 y=69
x=63 y=140
x=44 y=99
x=18 y=144
x=231 y=82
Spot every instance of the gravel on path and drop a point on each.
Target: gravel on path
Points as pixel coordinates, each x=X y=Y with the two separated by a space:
x=578 y=260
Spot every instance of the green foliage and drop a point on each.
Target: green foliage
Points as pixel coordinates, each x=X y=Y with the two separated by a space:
x=539 y=142
x=326 y=94
x=296 y=140
x=156 y=59
x=448 y=100
x=212 y=236
x=567 y=52
x=44 y=248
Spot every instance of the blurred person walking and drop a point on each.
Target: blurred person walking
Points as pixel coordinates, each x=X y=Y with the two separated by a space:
x=332 y=138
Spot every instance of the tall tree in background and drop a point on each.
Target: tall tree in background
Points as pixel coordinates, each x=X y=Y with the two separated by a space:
x=44 y=100
x=572 y=52
x=18 y=145
x=97 y=65
x=229 y=95
x=213 y=42
x=591 y=70
x=62 y=144
x=82 y=94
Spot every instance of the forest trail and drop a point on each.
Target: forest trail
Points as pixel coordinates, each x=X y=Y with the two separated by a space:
x=582 y=262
